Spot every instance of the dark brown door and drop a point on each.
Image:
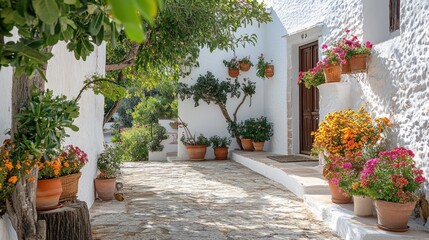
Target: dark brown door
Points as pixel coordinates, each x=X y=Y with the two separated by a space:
x=308 y=99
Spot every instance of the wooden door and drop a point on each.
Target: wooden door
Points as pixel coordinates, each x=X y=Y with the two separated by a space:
x=308 y=99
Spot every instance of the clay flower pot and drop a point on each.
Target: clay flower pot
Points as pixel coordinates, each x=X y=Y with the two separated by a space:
x=358 y=63
x=244 y=66
x=246 y=143
x=258 y=146
x=336 y=195
x=269 y=71
x=196 y=152
x=105 y=188
x=221 y=153
x=233 y=72
x=48 y=194
x=393 y=216
x=332 y=73
x=346 y=68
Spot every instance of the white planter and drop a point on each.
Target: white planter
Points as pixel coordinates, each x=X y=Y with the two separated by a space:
x=362 y=206
x=334 y=97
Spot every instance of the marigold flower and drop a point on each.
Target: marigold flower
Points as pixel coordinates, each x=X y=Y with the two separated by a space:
x=13 y=179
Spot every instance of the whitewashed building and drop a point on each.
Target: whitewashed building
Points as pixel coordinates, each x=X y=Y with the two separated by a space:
x=65 y=76
x=396 y=84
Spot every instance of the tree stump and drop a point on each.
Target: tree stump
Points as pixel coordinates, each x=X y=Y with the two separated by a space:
x=70 y=222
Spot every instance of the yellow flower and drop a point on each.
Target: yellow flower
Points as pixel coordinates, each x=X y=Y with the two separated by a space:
x=13 y=179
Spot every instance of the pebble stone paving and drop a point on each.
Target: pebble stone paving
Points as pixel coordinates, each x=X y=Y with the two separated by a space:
x=202 y=200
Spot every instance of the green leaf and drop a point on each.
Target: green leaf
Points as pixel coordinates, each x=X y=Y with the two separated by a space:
x=147 y=8
x=70 y=2
x=46 y=10
x=127 y=15
x=96 y=24
x=134 y=32
x=73 y=127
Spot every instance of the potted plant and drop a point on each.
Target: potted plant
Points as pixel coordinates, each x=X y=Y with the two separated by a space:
x=245 y=129
x=233 y=66
x=109 y=164
x=331 y=64
x=196 y=147
x=313 y=77
x=341 y=134
x=49 y=186
x=392 y=180
x=264 y=69
x=262 y=131
x=72 y=159
x=220 y=146
x=353 y=53
x=245 y=64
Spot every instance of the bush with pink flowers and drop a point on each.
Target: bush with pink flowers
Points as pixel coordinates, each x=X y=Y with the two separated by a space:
x=313 y=77
x=392 y=177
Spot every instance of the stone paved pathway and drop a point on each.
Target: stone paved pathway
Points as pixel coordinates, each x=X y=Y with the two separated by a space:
x=203 y=200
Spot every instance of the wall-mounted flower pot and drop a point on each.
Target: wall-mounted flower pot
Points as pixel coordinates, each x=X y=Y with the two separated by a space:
x=233 y=72
x=196 y=152
x=221 y=153
x=332 y=73
x=244 y=66
x=258 y=146
x=269 y=71
x=346 y=68
x=358 y=63
x=247 y=145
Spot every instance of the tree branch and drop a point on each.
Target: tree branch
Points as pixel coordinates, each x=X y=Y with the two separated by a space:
x=238 y=107
x=129 y=60
x=111 y=111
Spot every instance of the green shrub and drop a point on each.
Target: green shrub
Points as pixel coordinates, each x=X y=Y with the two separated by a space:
x=134 y=143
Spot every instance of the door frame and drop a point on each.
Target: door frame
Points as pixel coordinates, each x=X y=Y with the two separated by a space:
x=294 y=41
x=314 y=43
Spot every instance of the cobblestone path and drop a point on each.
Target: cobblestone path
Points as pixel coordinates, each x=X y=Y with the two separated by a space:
x=203 y=200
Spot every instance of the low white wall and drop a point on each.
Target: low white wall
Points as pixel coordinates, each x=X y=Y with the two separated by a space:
x=65 y=76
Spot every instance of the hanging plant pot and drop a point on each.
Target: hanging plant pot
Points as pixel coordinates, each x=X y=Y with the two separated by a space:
x=362 y=206
x=336 y=195
x=244 y=66
x=269 y=71
x=196 y=152
x=48 y=194
x=247 y=145
x=258 y=146
x=105 y=188
x=393 y=216
x=332 y=73
x=70 y=184
x=346 y=68
x=358 y=63
x=233 y=72
x=221 y=153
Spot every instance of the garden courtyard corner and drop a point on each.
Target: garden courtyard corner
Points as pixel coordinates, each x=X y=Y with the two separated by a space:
x=214 y=119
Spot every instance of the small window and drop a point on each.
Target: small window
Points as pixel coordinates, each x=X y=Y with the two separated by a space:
x=394 y=13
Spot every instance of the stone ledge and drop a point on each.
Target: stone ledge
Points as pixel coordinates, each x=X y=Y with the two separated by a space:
x=305 y=180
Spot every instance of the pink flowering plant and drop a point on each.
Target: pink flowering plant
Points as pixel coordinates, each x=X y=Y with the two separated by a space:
x=392 y=177
x=72 y=160
x=349 y=171
x=313 y=77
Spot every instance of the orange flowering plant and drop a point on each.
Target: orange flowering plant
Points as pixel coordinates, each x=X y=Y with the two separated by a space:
x=50 y=168
x=73 y=159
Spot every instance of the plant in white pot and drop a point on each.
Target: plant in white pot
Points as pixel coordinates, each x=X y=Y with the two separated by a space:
x=109 y=164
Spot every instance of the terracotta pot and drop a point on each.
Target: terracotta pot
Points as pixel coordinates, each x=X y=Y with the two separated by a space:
x=196 y=152
x=247 y=145
x=362 y=206
x=269 y=71
x=345 y=68
x=358 y=63
x=233 y=72
x=244 y=66
x=393 y=216
x=221 y=153
x=70 y=184
x=48 y=194
x=258 y=146
x=332 y=73
x=105 y=188
x=336 y=195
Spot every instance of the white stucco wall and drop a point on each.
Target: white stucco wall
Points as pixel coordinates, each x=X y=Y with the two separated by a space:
x=65 y=76
x=208 y=119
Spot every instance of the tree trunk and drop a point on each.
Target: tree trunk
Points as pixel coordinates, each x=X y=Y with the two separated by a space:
x=111 y=111
x=71 y=222
x=22 y=208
